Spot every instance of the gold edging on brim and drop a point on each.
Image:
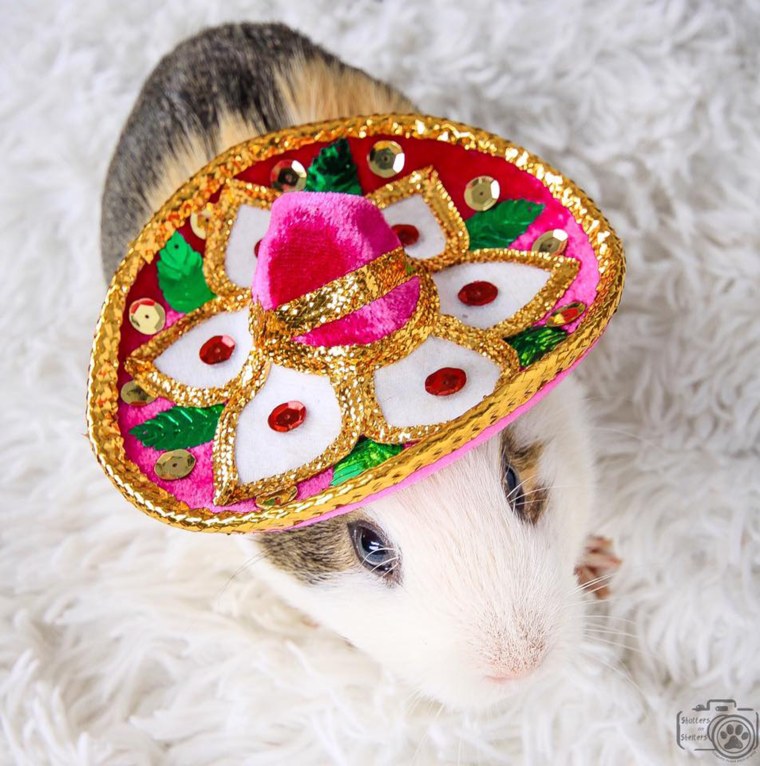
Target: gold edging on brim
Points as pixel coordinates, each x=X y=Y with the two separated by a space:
x=102 y=401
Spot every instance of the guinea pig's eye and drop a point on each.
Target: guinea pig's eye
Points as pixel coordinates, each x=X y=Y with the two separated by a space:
x=513 y=486
x=374 y=550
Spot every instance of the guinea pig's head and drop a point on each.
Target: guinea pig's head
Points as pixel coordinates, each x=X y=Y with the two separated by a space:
x=462 y=584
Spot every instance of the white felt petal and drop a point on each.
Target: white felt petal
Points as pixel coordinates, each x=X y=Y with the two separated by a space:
x=400 y=387
x=260 y=451
x=182 y=361
x=249 y=227
x=414 y=210
x=517 y=284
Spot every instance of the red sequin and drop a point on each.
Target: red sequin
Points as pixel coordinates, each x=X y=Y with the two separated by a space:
x=287 y=416
x=446 y=381
x=567 y=314
x=406 y=233
x=217 y=349
x=478 y=293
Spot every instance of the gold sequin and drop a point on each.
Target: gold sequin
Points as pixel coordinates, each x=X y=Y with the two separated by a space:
x=277 y=499
x=482 y=193
x=288 y=175
x=554 y=241
x=567 y=314
x=198 y=223
x=517 y=389
x=132 y=394
x=174 y=465
x=386 y=159
x=147 y=316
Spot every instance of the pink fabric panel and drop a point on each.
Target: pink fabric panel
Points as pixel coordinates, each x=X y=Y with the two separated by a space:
x=197 y=489
x=371 y=322
x=314 y=238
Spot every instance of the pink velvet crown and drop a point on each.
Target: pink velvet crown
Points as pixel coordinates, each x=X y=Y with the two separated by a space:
x=330 y=312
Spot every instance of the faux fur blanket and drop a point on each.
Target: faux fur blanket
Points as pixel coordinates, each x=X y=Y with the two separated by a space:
x=126 y=642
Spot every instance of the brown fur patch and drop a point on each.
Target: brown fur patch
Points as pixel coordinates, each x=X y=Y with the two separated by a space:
x=524 y=459
x=319 y=89
x=312 y=554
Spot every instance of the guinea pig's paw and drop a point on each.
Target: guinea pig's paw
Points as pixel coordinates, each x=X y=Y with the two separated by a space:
x=597 y=565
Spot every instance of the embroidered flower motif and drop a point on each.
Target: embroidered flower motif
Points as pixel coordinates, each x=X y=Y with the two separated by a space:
x=305 y=380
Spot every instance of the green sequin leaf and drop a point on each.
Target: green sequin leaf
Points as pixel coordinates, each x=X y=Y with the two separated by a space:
x=533 y=343
x=179 y=427
x=180 y=275
x=365 y=454
x=502 y=224
x=334 y=170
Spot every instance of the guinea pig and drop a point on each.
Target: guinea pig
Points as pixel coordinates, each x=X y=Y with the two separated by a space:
x=466 y=583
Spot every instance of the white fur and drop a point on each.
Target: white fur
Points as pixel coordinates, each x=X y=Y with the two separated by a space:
x=126 y=642
x=482 y=592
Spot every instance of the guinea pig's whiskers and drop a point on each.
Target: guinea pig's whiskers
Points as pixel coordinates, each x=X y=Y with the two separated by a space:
x=244 y=567
x=620 y=645
x=621 y=671
x=611 y=632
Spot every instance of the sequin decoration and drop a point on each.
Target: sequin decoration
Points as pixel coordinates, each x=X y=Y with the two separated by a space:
x=217 y=349
x=147 y=316
x=478 y=293
x=422 y=446
x=386 y=158
x=407 y=233
x=132 y=394
x=533 y=343
x=277 y=499
x=287 y=416
x=482 y=193
x=334 y=170
x=174 y=465
x=553 y=242
x=179 y=427
x=198 y=223
x=180 y=275
x=366 y=454
x=446 y=381
x=566 y=315
x=501 y=225
x=288 y=175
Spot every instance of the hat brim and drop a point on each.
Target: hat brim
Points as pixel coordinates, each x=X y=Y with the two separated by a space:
x=593 y=270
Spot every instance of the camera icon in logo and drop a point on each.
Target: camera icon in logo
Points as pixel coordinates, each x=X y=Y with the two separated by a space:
x=731 y=732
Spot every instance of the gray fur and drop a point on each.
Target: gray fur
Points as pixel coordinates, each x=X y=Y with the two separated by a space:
x=229 y=69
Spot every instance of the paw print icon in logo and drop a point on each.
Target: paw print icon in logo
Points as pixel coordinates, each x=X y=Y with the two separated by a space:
x=732 y=736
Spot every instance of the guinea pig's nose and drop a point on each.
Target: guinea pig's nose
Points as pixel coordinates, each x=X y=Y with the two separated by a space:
x=516 y=662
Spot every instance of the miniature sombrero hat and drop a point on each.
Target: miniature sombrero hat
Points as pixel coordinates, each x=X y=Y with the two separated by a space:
x=327 y=313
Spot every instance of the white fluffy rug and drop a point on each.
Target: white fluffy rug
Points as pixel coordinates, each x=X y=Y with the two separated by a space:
x=126 y=642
